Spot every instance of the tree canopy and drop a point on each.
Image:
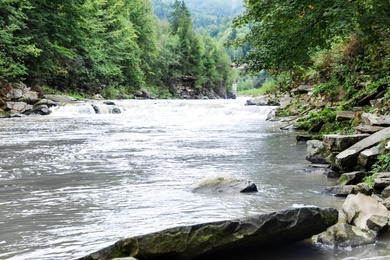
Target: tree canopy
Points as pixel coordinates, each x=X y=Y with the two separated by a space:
x=284 y=33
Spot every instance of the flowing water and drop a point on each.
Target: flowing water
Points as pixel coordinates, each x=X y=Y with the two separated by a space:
x=76 y=181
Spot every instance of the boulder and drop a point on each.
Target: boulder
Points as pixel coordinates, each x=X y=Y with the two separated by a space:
x=347 y=159
x=47 y=102
x=378 y=224
x=386 y=192
x=351 y=178
x=360 y=208
x=381 y=180
x=338 y=143
x=303 y=89
x=315 y=152
x=368 y=157
x=224 y=184
x=386 y=203
x=376 y=120
x=60 y=98
x=18 y=107
x=364 y=188
x=340 y=190
x=221 y=238
x=345 y=235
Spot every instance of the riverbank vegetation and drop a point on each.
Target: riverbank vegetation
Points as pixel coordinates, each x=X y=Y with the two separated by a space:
x=114 y=48
x=341 y=49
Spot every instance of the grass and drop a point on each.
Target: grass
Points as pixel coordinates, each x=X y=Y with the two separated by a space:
x=268 y=87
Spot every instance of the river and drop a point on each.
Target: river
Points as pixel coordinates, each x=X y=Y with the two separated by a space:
x=75 y=181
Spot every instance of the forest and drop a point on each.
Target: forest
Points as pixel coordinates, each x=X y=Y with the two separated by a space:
x=109 y=47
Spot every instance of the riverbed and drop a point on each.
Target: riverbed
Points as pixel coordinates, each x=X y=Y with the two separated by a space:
x=75 y=181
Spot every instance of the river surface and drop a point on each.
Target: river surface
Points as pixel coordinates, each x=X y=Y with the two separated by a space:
x=74 y=182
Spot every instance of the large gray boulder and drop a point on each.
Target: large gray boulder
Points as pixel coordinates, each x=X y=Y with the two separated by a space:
x=375 y=120
x=368 y=157
x=347 y=159
x=223 y=184
x=316 y=152
x=219 y=239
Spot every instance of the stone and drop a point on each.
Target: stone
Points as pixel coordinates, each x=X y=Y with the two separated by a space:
x=345 y=115
x=368 y=157
x=367 y=129
x=18 y=107
x=338 y=143
x=221 y=238
x=340 y=190
x=381 y=180
x=359 y=208
x=376 y=120
x=378 y=224
x=303 y=89
x=386 y=203
x=347 y=159
x=351 y=178
x=285 y=101
x=40 y=110
x=60 y=98
x=97 y=97
x=316 y=153
x=344 y=235
x=49 y=103
x=223 y=184
x=364 y=188
x=386 y=192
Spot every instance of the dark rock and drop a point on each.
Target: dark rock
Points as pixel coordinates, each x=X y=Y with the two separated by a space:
x=340 y=190
x=221 y=238
x=304 y=138
x=386 y=192
x=40 y=110
x=303 y=89
x=224 y=184
x=351 y=178
x=345 y=235
x=231 y=95
x=49 y=103
x=109 y=103
x=338 y=143
x=347 y=159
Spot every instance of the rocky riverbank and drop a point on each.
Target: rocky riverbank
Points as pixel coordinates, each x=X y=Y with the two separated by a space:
x=357 y=154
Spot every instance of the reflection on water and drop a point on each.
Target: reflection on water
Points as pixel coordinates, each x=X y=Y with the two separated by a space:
x=74 y=182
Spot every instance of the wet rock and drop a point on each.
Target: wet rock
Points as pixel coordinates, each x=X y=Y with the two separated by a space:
x=49 y=103
x=224 y=184
x=338 y=143
x=386 y=192
x=345 y=235
x=221 y=238
x=315 y=152
x=347 y=159
x=340 y=190
x=360 y=208
x=39 y=110
x=351 y=178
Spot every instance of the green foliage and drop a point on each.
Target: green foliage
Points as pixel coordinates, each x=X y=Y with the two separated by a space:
x=323 y=121
x=383 y=162
x=370 y=180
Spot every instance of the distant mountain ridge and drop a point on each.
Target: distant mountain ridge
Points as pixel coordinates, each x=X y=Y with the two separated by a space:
x=203 y=13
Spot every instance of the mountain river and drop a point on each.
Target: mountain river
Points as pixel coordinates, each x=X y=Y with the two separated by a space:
x=75 y=181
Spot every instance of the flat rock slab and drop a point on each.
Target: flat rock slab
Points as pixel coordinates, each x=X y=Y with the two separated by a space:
x=338 y=143
x=224 y=184
x=347 y=159
x=369 y=129
x=221 y=238
x=345 y=115
x=376 y=120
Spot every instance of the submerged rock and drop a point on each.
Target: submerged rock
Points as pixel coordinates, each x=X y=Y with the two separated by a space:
x=224 y=184
x=221 y=238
